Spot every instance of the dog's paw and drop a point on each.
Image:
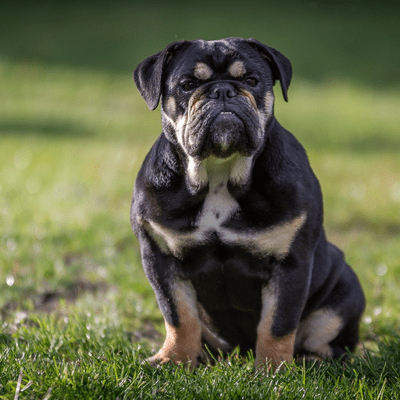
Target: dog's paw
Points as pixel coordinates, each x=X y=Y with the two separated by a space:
x=154 y=361
x=160 y=359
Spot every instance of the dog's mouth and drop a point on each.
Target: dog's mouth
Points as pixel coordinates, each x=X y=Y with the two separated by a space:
x=225 y=134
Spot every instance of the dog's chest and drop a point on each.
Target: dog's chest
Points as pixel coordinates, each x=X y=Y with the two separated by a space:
x=213 y=226
x=218 y=207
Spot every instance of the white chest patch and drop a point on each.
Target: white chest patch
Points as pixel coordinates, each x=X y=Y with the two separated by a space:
x=218 y=208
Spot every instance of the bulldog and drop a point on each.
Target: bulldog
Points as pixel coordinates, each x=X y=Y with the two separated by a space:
x=229 y=214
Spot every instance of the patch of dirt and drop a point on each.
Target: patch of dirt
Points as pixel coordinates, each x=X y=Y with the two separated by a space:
x=49 y=301
x=147 y=333
x=17 y=312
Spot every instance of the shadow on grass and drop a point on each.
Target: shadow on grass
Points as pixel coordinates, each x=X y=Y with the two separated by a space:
x=45 y=128
x=371 y=144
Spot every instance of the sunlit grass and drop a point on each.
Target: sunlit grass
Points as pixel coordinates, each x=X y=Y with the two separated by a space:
x=90 y=356
x=343 y=115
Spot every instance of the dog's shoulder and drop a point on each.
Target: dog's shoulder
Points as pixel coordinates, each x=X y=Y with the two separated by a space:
x=160 y=192
x=283 y=153
x=282 y=186
x=283 y=165
x=161 y=167
x=159 y=172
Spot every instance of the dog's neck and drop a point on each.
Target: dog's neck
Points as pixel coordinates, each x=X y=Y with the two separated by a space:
x=212 y=171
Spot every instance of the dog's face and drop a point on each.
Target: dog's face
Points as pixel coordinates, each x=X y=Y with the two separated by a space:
x=217 y=101
x=216 y=96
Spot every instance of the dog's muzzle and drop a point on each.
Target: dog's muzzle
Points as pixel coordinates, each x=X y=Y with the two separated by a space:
x=227 y=131
x=226 y=134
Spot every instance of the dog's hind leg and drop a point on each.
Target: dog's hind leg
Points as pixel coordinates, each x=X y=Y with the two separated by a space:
x=331 y=331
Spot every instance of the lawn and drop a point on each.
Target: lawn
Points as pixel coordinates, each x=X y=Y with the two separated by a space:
x=77 y=313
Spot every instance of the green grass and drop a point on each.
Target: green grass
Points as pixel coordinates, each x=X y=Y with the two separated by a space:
x=92 y=357
x=77 y=314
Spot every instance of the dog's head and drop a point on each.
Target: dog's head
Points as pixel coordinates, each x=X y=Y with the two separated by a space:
x=216 y=96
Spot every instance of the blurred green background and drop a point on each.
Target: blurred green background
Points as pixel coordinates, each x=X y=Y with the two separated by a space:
x=74 y=131
x=353 y=40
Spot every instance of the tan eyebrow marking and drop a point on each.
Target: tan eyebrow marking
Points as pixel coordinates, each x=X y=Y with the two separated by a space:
x=237 y=69
x=203 y=71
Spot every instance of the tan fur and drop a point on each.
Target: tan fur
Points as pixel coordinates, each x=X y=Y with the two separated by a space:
x=251 y=98
x=274 y=350
x=203 y=71
x=237 y=69
x=270 y=348
x=269 y=104
x=318 y=330
x=275 y=240
x=182 y=343
x=171 y=106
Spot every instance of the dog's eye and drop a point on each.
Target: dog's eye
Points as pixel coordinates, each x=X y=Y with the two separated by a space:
x=188 y=86
x=251 y=81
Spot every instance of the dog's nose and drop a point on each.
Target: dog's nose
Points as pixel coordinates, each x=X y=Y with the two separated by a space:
x=222 y=90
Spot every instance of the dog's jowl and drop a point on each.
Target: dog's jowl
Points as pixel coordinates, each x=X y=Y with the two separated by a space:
x=229 y=214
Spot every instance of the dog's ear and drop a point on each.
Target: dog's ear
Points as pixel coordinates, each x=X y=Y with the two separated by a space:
x=148 y=75
x=280 y=65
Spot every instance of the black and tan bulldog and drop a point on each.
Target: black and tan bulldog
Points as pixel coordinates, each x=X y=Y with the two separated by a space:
x=229 y=214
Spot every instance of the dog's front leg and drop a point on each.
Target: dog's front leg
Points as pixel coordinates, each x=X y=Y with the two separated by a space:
x=183 y=341
x=270 y=347
x=283 y=300
x=176 y=298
